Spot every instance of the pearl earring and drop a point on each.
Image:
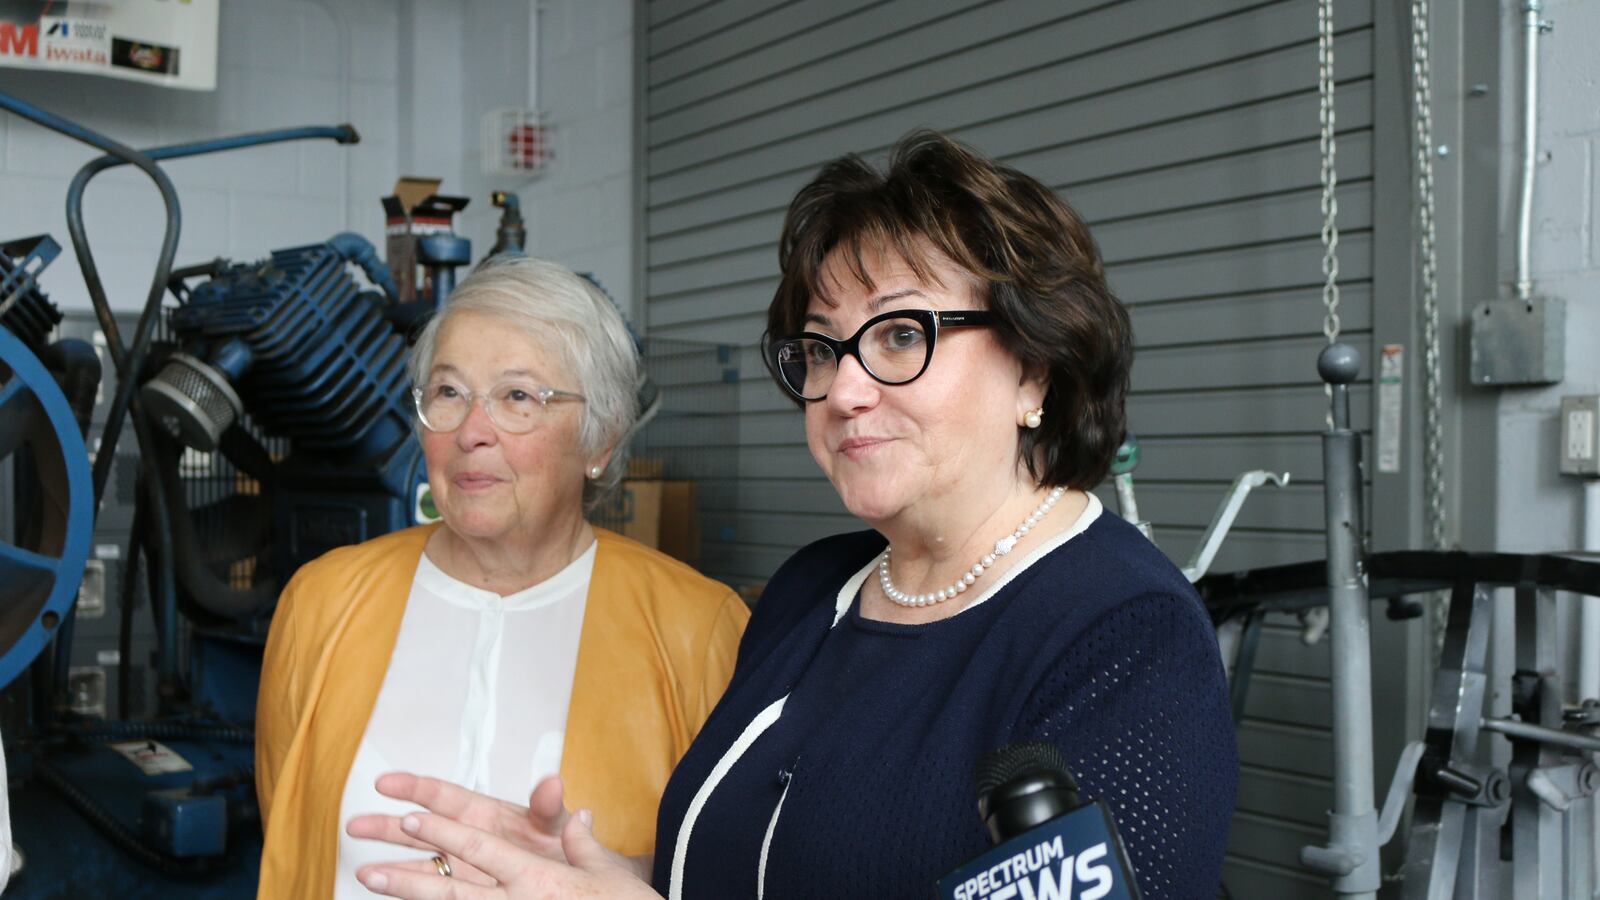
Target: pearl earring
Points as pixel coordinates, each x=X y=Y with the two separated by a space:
x=594 y=472
x=1034 y=418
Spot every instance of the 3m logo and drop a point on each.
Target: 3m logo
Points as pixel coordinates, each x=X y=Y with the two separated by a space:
x=19 y=40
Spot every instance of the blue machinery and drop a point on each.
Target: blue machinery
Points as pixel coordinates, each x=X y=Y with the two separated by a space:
x=294 y=340
x=289 y=352
x=41 y=575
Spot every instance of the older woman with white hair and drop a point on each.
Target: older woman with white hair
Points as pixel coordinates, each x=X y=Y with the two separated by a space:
x=511 y=641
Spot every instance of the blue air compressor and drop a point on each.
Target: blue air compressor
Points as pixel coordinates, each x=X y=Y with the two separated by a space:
x=311 y=356
x=287 y=377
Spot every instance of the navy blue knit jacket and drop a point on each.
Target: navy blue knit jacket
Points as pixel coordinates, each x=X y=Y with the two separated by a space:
x=1100 y=646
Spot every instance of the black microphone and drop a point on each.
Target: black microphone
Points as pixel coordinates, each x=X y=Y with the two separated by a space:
x=1049 y=843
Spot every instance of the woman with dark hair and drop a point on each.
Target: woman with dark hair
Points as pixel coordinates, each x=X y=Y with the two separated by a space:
x=962 y=365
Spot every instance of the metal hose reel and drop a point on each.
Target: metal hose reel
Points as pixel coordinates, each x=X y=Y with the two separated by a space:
x=40 y=574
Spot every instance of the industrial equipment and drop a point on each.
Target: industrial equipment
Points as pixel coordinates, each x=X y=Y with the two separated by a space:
x=270 y=404
x=285 y=380
x=1505 y=805
x=41 y=433
x=298 y=344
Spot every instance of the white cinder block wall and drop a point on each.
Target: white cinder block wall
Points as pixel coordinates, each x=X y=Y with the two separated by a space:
x=1539 y=509
x=413 y=76
x=280 y=63
x=579 y=211
x=1536 y=508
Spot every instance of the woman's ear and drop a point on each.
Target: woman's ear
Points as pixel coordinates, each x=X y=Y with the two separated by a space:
x=1032 y=387
x=599 y=462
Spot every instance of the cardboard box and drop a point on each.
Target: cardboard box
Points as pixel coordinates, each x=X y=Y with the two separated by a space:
x=678 y=528
x=646 y=467
x=412 y=211
x=656 y=513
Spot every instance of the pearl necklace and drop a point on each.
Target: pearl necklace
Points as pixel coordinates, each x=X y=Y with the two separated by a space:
x=1001 y=548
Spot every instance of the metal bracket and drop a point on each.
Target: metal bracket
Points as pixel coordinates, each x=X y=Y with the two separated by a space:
x=1394 y=804
x=1206 y=553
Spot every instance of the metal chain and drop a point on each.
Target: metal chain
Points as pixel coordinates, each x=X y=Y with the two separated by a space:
x=1330 y=176
x=1433 y=458
x=1432 y=403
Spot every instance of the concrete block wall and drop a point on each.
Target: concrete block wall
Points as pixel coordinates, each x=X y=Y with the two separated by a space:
x=414 y=76
x=579 y=210
x=1539 y=509
x=280 y=63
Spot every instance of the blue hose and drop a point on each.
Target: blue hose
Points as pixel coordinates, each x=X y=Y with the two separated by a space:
x=354 y=248
x=342 y=134
x=158 y=287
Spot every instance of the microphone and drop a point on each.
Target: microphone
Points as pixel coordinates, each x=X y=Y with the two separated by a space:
x=1049 y=843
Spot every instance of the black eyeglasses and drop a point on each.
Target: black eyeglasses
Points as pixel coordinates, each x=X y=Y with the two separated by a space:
x=894 y=348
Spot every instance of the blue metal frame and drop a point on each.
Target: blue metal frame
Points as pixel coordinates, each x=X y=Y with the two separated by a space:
x=18 y=564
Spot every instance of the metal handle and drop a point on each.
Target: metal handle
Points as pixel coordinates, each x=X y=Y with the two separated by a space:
x=1335 y=862
x=1458 y=782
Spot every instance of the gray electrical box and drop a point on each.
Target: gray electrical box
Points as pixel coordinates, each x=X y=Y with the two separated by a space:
x=1580 y=435
x=1519 y=342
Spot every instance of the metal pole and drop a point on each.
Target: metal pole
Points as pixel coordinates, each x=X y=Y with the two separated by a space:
x=1351 y=856
x=1589 y=655
x=1532 y=28
x=1537 y=867
x=1589 y=635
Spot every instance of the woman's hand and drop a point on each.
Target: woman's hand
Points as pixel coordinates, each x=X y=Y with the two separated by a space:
x=535 y=828
x=590 y=870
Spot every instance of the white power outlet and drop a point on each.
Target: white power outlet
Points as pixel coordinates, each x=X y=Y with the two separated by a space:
x=92 y=590
x=1580 y=435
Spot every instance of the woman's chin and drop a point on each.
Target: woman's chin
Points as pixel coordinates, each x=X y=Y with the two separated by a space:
x=871 y=506
x=477 y=523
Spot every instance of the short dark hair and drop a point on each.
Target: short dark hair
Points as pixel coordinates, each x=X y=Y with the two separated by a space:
x=1042 y=273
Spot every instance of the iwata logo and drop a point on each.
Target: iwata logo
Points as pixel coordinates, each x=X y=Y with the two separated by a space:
x=76 y=29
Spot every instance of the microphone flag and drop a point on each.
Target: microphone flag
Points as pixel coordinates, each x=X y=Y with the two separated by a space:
x=1074 y=856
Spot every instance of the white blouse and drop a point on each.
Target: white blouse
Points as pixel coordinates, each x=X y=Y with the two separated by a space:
x=476 y=693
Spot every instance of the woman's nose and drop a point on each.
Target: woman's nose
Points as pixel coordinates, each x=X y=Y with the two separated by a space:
x=853 y=389
x=476 y=429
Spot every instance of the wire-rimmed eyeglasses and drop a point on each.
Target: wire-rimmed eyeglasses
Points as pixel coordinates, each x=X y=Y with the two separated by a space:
x=515 y=407
x=894 y=348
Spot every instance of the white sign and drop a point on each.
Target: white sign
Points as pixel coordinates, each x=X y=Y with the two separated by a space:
x=1391 y=379
x=167 y=42
x=152 y=757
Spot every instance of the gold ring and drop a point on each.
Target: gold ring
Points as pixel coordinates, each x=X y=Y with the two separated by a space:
x=443 y=865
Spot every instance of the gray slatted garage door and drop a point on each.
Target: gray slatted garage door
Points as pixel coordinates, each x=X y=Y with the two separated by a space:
x=1184 y=132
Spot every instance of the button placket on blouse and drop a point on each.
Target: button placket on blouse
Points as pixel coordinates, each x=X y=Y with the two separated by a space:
x=478 y=714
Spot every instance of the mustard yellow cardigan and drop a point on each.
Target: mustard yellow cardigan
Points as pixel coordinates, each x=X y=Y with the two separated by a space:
x=656 y=651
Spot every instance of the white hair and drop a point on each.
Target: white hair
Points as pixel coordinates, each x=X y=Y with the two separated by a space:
x=569 y=316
